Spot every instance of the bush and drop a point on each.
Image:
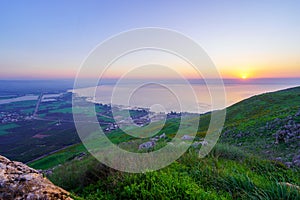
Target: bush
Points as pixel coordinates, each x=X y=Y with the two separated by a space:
x=153 y=185
x=228 y=152
x=76 y=175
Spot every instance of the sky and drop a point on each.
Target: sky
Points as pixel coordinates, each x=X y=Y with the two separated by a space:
x=244 y=39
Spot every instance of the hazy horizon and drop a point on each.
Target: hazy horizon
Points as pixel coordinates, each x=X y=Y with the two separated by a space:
x=50 y=40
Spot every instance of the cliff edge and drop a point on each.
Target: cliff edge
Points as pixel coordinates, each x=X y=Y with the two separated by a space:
x=18 y=181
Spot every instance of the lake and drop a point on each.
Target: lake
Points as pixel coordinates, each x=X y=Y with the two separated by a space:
x=195 y=97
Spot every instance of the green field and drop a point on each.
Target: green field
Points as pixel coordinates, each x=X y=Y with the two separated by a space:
x=4 y=129
x=22 y=106
x=58 y=158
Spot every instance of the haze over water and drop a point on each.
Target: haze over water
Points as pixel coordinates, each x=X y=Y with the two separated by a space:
x=165 y=99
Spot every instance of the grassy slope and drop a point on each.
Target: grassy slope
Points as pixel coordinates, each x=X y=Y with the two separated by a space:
x=250 y=117
x=227 y=173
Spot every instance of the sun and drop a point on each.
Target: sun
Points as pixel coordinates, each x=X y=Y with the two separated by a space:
x=244 y=76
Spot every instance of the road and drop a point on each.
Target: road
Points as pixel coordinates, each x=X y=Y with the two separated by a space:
x=38 y=105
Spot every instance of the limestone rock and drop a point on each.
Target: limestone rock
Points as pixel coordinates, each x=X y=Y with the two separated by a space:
x=296 y=160
x=147 y=145
x=18 y=181
x=187 y=137
x=196 y=144
x=162 y=136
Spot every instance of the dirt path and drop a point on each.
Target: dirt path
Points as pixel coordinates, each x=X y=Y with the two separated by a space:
x=38 y=105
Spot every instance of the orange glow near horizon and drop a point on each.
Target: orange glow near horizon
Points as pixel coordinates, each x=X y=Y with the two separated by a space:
x=245 y=75
x=226 y=72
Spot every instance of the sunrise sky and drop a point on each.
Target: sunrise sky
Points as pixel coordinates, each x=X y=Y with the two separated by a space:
x=245 y=39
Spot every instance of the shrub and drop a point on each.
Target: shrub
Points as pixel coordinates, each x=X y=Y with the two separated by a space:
x=155 y=185
x=75 y=175
x=228 y=152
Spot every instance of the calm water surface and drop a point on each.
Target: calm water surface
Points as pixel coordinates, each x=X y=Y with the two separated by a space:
x=176 y=97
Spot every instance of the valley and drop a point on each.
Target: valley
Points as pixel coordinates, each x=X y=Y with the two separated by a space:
x=256 y=157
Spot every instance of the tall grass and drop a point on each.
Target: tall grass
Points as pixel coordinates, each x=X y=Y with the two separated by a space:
x=226 y=173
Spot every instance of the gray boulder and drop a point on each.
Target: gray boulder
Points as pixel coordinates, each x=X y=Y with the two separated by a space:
x=162 y=136
x=196 y=144
x=187 y=137
x=147 y=145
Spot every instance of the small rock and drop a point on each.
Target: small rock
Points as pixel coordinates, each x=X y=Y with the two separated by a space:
x=290 y=185
x=226 y=133
x=154 y=139
x=187 y=137
x=147 y=145
x=288 y=164
x=296 y=160
x=162 y=136
x=196 y=144
x=279 y=159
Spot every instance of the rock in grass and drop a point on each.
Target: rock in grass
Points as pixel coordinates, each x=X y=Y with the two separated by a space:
x=290 y=185
x=162 y=136
x=296 y=160
x=147 y=145
x=18 y=181
x=187 y=137
x=196 y=144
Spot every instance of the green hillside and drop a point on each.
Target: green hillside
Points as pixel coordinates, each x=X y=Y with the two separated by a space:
x=255 y=124
x=257 y=157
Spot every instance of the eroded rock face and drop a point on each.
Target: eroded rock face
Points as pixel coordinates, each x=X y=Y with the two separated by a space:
x=18 y=181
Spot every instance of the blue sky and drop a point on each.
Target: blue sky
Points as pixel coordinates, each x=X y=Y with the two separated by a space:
x=51 y=38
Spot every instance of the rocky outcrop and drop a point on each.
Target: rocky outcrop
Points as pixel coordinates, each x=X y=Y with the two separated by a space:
x=150 y=144
x=290 y=132
x=18 y=181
